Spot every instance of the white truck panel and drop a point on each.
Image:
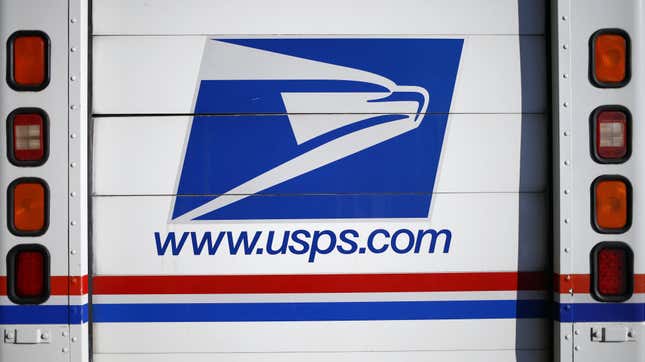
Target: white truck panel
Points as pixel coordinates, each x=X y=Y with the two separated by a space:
x=419 y=17
x=294 y=337
x=145 y=75
x=481 y=153
x=487 y=242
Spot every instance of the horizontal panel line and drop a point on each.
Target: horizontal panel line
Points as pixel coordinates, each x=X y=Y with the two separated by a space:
x=124 y=115
x=329 y=194
x=311 y=36
x=492 y=349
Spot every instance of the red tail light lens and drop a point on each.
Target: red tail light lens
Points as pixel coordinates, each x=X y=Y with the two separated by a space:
x=30 y=280
x=611 y=134
x=610 y=58
x=27 y=136
x=28 y=274
x=613 y=271
x=28 y=60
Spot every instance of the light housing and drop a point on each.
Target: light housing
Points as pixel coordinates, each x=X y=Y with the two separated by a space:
x=612 y=272
x=28 y=274
x=28 y=59
x=610 y=134
x=28 y=207
x=609 y=58
x=28 y=137
x=611 y=204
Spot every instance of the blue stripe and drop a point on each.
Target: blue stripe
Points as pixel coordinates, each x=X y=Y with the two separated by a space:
x=43 y=314
x=335 y=311
x=600 y=312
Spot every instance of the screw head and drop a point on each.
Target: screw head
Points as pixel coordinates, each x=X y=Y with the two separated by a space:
x=45 y=335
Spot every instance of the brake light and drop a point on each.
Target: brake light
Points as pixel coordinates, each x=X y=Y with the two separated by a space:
x=610 y=58
x=28 y=274
x=612 y=272
x=611 y=204
x=28 y=60
x=27 y=132
x=28 y=207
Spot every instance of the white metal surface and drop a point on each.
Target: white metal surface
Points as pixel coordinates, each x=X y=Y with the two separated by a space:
x=294 y=337
x=439 y=356
x=488 y=242
x=489 y=190
x=481 y=153
x=57 y=326
x=144 y=75
x=576 y=170
x=292 y=17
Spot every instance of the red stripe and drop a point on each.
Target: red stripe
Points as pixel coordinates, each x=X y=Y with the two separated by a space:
x=581 y=283
x=59 y=285
x=325 y=283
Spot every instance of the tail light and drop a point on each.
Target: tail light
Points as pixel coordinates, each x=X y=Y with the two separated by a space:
x=610 y=134
x=27 y=137
x=28 y=207
x=28 y=274
x=28 y=61
x=610 y=58
x=612 y=272
x=611 y=204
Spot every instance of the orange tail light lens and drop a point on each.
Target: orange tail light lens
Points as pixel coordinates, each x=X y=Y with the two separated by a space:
x=611 y=204
x=28 y=61
x=610 y=58
x=28 y=207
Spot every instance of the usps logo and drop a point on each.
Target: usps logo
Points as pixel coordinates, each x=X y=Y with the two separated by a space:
x=316 y=129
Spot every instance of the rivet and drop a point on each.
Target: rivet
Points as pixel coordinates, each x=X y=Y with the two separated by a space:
x=566 y=191
x=72 y=194
x=65 y=349
x=73 y=223
x=566 y=221
x=568 y=277
x=566 y=162
x=577 y=348
x=44 y=335
x=566 y=133
x=567 y=307
x=73 y=20
x=72 y=78
x=564 y=46
x=564 y=18
x=630 y=334
x=567 y=337
x=73 y=252
x=72 y=49
x=571 y=291
x=74 y=339
x=565 y=104
x=565 y=76
x=9 y=335
x=72 y=165
x=64 y=334
x=576 y=332
x=566 y=250
x=73 y=135
x=73 y=106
